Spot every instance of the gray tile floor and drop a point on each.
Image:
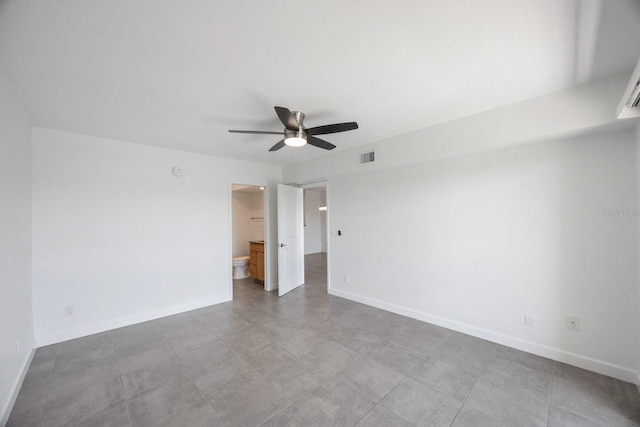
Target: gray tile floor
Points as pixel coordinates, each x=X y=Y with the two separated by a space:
x=307 y=359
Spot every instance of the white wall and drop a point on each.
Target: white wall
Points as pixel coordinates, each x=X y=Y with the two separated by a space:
x=16 y=324
x=122 y=240
x=312 y=221
x=430 y=167
x=474 y=243
x=247 y=205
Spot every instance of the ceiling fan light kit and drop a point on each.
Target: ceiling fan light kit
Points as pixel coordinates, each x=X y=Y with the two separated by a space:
x=296 y=135
x=295 y=138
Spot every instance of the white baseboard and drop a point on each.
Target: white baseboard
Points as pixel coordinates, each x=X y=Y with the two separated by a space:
x=15 y=389
x=124 y=321
x=584 y=362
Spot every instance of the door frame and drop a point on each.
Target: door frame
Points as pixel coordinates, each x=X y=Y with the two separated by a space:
x=324 y=184
x=268 y=283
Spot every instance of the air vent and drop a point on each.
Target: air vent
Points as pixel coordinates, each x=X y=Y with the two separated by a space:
x=630 y=103
x=634 y=99
x=368 y=157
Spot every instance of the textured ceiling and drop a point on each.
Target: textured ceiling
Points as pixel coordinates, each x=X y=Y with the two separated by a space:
x=179 y=74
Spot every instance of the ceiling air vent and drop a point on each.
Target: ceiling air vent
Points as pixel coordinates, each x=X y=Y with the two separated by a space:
x=630 y=104
x=368 y=157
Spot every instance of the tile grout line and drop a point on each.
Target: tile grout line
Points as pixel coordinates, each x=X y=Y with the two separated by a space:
x=495 y=348
x=553 y=377
x=365 y=415
x=194 y=384
x=406 y=376
x=241 y=357
x=124 y=396
x=46 y=399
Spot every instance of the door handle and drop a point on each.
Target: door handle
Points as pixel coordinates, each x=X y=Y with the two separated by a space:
x=282 y=245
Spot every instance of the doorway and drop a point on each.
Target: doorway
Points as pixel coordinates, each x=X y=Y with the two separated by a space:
x=248 y=238
x=316 y=235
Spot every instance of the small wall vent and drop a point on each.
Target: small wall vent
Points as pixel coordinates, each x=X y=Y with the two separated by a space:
x=630 y=103
x=368 y=157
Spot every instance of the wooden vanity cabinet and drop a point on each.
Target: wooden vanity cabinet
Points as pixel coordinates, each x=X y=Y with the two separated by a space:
x=256 y=260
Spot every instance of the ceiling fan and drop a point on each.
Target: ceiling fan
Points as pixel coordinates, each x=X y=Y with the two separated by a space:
x=296 y=135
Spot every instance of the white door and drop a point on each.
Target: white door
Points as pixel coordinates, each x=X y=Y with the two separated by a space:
x=290 y=238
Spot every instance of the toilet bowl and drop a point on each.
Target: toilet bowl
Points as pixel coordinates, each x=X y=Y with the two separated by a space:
x=240 y=267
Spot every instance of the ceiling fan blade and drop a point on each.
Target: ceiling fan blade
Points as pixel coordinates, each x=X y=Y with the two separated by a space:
x=265 y=132
x=287 y=118
x=334 y=128
x=278 y=146
x=320 y=143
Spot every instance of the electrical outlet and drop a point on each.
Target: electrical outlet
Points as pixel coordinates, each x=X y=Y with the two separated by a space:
x=17 y=348
x=528 y=320
x=346 y=278
x=68 y=310
x=573 y=323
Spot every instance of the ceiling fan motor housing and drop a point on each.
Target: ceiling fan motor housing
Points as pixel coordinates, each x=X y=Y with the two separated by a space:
x=301 y=133
x=296 y=138
x=299 y=118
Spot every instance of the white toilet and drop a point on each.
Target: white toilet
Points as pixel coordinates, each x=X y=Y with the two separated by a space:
x=240 y=267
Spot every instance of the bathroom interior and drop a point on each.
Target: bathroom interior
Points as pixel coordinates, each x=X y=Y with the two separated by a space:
x=248 y=234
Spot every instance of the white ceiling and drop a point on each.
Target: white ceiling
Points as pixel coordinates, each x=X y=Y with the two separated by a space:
x=179 y=74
